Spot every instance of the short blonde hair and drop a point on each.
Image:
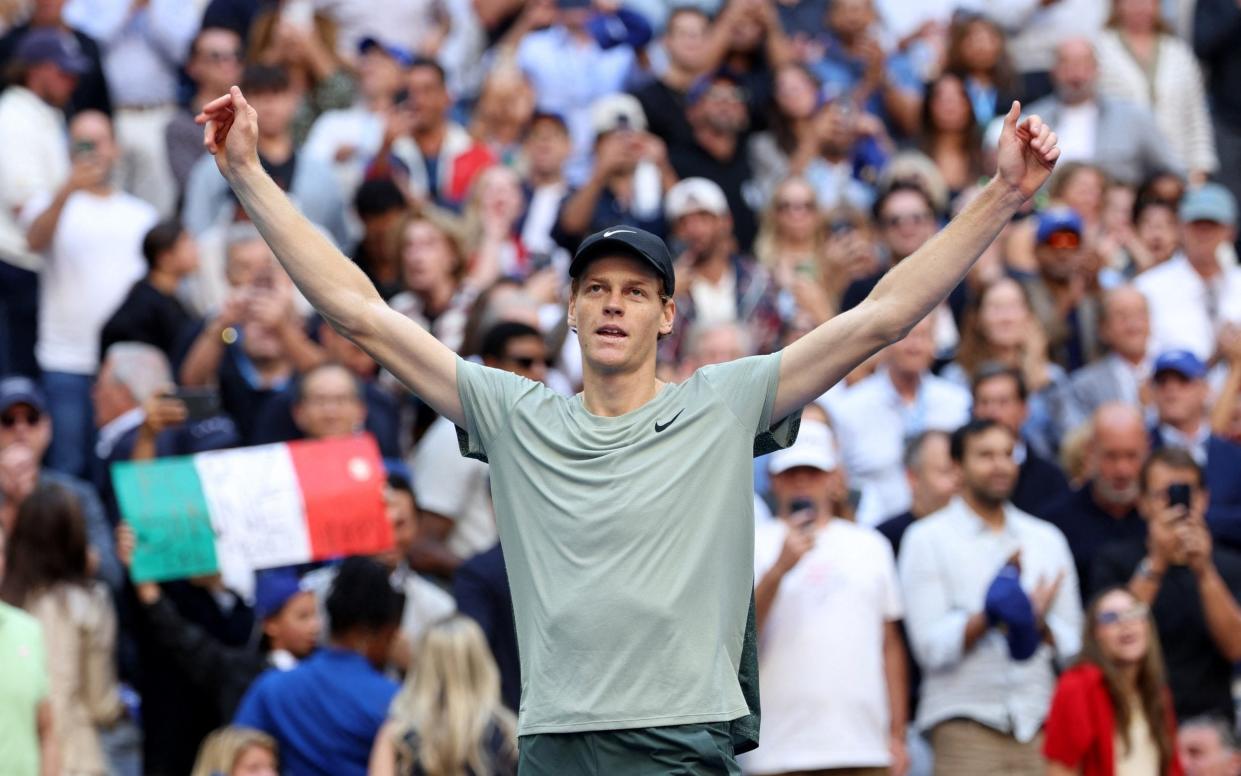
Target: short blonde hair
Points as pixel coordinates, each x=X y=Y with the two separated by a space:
x=221 y=750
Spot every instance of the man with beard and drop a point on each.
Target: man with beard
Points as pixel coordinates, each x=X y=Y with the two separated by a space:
x=991 y=605
x=1105 y=508
x=717 y=113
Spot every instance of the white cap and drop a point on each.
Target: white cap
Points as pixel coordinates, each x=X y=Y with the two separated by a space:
x=815 y=447
x=617 y=110
x=694 y=195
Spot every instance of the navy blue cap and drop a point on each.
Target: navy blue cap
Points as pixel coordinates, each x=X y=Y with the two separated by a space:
x=699 y=88
x=620 y=28
x=1058 y=219
x=1182 y=362
x=21 y=390
x=402 y=57
x=46 y=44
x=272 y=590
x=627 y=241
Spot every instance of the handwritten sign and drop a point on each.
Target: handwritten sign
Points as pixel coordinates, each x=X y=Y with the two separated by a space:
x=162 y=501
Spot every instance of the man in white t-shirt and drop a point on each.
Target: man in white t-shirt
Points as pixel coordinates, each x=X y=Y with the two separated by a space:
x=90 y=236
x=831 y=657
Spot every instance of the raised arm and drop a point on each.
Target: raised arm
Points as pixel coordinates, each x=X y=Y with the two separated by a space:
x=334 y=285
x=911 y=289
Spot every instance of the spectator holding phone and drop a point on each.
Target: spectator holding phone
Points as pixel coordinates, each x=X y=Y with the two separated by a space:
x=1191 y=585
x=831 y=656
x=90 y=235
x=1112 y=712
x=1180 y=390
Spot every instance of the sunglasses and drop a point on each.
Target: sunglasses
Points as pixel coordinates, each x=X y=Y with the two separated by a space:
x=30 y=417
x=1135 y=612
x=527 y=362
x=789 y=205
x=913 y=219
x=1063 y=241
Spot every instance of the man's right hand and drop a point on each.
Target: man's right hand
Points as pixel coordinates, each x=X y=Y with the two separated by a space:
x=1163 y=541
x=88 y=171
x=231 y=132
x=19 y=472
x=163 y=411
x=126 y=541
x=797 y=541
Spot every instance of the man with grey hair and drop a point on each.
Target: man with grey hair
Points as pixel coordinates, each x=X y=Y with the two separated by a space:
x=1208 y=747
x=1105 y=509
x=714 y=343
x=139 y=417
x=1119 y=137
x=1121 y=375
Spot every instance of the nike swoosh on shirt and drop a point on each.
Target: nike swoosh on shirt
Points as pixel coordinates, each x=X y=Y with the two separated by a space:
x=659 y=428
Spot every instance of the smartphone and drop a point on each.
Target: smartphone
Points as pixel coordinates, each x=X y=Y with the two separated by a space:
x=200 y=403
x=1178 y=495
x=802 y=506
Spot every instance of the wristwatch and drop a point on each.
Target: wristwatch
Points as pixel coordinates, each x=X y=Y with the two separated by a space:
x=1146 y=570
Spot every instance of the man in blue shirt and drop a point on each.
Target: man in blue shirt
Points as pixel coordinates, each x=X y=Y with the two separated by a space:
x=326 y=713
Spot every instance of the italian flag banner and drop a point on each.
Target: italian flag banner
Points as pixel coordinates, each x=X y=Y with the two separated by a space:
x=236 y=511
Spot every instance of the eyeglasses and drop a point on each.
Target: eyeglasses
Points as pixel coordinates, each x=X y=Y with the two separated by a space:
x=221 y=56
x=789 y=205
x=913 y=219
x=1135 y=612
x=30 y=417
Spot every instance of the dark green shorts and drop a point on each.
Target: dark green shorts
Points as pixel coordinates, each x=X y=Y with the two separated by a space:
x=680 y=750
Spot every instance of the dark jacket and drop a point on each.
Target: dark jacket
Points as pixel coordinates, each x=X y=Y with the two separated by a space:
x=1040 y=483
x=1217 y=42
x=223 y=670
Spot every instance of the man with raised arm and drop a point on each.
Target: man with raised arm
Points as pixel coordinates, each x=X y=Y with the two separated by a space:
x=625 y=512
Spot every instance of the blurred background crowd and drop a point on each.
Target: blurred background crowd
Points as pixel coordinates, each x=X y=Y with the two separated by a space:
x=1011 y=541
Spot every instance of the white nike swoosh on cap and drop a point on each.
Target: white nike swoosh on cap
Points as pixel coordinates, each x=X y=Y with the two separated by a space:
x=611 y=232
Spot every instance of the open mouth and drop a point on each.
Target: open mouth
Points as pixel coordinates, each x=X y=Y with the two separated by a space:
x=611 y=332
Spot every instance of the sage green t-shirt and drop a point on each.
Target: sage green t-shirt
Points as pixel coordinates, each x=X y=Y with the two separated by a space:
x=23 y=686
x=629 y=541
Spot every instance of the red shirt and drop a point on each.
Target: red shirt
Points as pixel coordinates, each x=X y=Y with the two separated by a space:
x=1081 y=728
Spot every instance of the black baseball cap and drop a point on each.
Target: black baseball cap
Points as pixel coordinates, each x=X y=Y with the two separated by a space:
x=627 y=241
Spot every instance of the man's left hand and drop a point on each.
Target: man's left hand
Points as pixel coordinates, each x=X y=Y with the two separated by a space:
x=1027 y=152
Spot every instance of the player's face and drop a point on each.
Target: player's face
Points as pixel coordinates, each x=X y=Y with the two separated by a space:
x=619 y=314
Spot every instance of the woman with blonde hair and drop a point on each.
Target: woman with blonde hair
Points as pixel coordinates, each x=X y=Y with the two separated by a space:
x=237 y=751
x=812 y=255
x=448 y=719
x=1112 y=712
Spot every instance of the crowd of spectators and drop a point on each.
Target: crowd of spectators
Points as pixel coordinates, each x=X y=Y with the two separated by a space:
x=1010 y=542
